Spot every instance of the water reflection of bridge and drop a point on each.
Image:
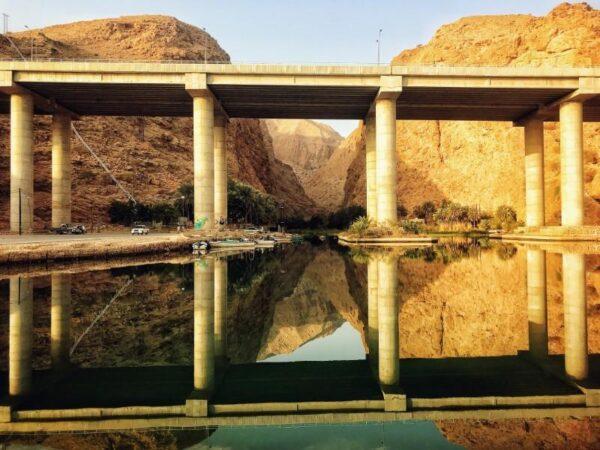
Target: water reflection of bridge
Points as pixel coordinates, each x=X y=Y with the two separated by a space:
x=383 y=387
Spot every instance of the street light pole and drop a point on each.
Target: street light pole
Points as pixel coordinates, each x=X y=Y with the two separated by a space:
x=31 y=51
x=379 y=46
x=205 y=44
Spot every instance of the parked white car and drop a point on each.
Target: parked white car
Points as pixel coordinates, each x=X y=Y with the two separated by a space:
x=140 y=229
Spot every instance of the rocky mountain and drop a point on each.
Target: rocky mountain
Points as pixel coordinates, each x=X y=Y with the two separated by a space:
x=150 y=156
x=303 y=144
x=307 y=146
x=482 y=162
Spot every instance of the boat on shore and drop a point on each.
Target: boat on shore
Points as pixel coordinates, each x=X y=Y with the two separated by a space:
x=233 y=243
x=268 y=242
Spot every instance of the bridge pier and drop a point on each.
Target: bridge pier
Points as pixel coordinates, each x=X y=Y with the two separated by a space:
x=60 y=320
x=21 y=163
x=386 y=170
x=20 y=336
x=220 y=171
x=371 y=167
x=536 y=303
x=204 y=162
x=389 y=366
x=575 y=310
x=534 y=173
x=61 y=169
x=204 y=340
x=571 y=159
x=220 y=309
x=372 y=299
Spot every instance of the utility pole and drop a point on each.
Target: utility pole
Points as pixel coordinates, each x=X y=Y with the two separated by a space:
x=205 y=44
x=379 y=46
x=5 y=22
x=31 y=51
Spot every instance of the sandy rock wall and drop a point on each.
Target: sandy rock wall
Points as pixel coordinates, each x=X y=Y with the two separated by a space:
x=481 y=163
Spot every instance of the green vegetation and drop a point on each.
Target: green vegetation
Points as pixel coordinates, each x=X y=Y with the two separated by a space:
x=341 y=219
x=245 y=205
x=448 y=217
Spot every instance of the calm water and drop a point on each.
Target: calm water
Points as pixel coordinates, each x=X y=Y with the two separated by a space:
x=309 y=323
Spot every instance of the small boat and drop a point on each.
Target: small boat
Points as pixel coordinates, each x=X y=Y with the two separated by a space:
x=266 y=242
x=200 y=247
x=234 y=243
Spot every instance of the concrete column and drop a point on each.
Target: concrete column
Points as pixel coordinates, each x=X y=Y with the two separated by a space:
x=220 y=308
x=571 y=163
x=61 y=169
x=534 y=173
x=387 y=174
x=204 y=164
x=389 y=367
x=204 y=347
x=576 y=348
x=20 y=336
x=371 y=167
x=21 y=163
x=536 y=303
x=373 y=315
x=220 y=171
x=60 y=320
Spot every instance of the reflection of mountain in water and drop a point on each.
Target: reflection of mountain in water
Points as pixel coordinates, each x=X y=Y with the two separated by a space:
x=320 y=303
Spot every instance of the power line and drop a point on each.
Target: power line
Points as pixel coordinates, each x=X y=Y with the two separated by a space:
x=104 y=166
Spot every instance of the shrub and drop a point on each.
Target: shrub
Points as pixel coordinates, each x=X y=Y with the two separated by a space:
x=360 y=226
x=505 y=218
x=425 y=211
x=410 y=227
x=402 y=211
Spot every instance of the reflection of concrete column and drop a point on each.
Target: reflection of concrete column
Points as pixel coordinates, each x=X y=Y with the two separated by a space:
x=21 y=163
x=220 y=308
x=536 y=303
x=20 y=336
x=385 y=125
x=220 y=171
x=204 y=164
x=534 y=173
x=371 y=167
x=61 y=170
x=387 y=269
x=204 y=347
x=576 y=349
x=571 y=163
x=373 y=319
x=60 y=320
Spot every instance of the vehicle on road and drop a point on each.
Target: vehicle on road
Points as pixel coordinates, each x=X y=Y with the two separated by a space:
x=69 y=228
x=140 y=229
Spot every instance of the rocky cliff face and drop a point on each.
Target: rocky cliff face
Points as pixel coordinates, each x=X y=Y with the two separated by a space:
x=307 y=146
x=303 y=144
x=150 y=156
x=482 y=162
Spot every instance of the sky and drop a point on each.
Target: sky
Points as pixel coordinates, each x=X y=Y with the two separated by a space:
x=289 y=31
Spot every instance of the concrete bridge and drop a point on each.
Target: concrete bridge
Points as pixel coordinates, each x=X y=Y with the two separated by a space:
x=213 y=93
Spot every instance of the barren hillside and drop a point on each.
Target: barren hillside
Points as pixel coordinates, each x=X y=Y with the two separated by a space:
x=482 y=162
x=151 y=156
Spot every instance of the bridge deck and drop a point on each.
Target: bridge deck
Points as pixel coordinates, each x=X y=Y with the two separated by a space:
x=285 y=91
